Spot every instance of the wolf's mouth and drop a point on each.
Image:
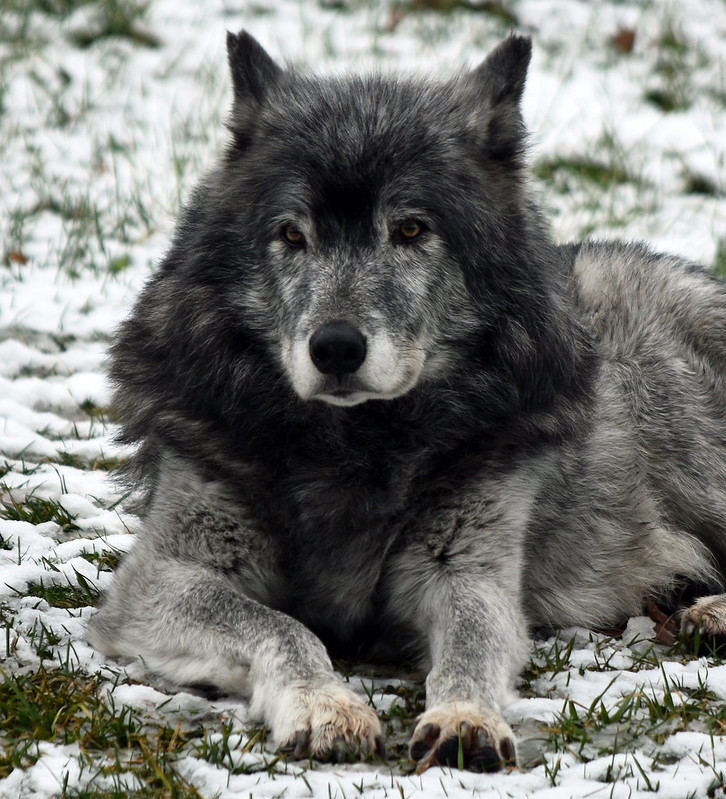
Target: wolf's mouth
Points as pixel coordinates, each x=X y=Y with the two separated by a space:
x=342 y=397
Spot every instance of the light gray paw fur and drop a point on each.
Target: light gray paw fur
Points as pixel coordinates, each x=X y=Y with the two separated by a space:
x=320 y=720
x=463 y=735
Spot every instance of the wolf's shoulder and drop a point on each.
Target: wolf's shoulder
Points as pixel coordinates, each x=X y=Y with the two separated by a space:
x=625 y=288
x=623 y=269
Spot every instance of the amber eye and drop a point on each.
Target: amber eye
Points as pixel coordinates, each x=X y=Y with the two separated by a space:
x=410 y=229
x=293 y=236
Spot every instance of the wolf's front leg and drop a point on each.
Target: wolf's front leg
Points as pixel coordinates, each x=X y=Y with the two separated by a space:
x=461 y=585
x=478 y=644
x=190 y=624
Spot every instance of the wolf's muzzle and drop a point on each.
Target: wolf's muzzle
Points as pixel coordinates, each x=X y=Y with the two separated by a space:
x=337 y=348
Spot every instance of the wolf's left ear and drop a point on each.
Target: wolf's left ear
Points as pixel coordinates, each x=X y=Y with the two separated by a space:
x=497 y=85
x=502 y=74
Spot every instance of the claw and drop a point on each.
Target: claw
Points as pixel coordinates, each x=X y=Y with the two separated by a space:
x=426 y=738
x=482 y=738
x=302 y=744
x=342 y=752
x=509 y=752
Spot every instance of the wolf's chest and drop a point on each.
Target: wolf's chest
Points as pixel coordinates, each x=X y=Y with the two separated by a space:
x=333 y=556
x=338 y=514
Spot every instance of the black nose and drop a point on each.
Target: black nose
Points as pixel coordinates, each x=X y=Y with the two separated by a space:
x=337 y=348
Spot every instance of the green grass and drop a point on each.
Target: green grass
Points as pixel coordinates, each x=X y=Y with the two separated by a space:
x=227 y=748
x=37 y=510
x=504 y=12
x=101 y=463
x=671 y=87
x=57 y=8
x=642 y=718
x=561 y=171
x=698 y=183
x=133 y=752
x=66 y=595
x=719 y=262
x=119 y=18
x=50 y=705
x=104 y=561
x=606 y=183
x=117 y=743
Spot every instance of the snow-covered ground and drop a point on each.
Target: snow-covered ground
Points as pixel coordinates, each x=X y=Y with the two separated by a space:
x=99 y=144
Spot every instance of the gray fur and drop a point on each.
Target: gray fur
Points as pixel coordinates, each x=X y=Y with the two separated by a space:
x=527 y=435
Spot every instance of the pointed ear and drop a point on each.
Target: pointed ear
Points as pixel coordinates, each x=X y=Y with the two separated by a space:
x=253 y=74
x=497 y=85
x=502 y=74
x=251 y=67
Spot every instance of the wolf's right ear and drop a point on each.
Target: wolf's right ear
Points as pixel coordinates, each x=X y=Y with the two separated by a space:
x=253 y=73
x=251 y=67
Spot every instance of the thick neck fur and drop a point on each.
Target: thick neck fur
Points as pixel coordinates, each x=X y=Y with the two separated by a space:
x=314 y=449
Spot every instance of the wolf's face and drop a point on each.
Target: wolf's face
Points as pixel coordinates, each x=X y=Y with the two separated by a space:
x=359 y=322
x=363 y=286
x=368 y=199
x=358 y=279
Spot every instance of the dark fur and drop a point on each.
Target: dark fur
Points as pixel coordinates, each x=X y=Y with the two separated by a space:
x=560 y=458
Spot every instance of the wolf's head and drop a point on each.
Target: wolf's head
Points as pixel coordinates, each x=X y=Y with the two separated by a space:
x=379 y=223
x=363 y=238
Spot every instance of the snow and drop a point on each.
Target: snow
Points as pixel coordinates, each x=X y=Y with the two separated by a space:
x=98 y=146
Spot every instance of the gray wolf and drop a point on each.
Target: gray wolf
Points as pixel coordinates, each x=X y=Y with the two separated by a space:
x=379 y=413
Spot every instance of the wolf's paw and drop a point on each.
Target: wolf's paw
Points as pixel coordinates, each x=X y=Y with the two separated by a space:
x=707 y=616
x=329 y=721
x=463 y=735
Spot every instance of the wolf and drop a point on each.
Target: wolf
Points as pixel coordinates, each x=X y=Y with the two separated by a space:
x=378 y=413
